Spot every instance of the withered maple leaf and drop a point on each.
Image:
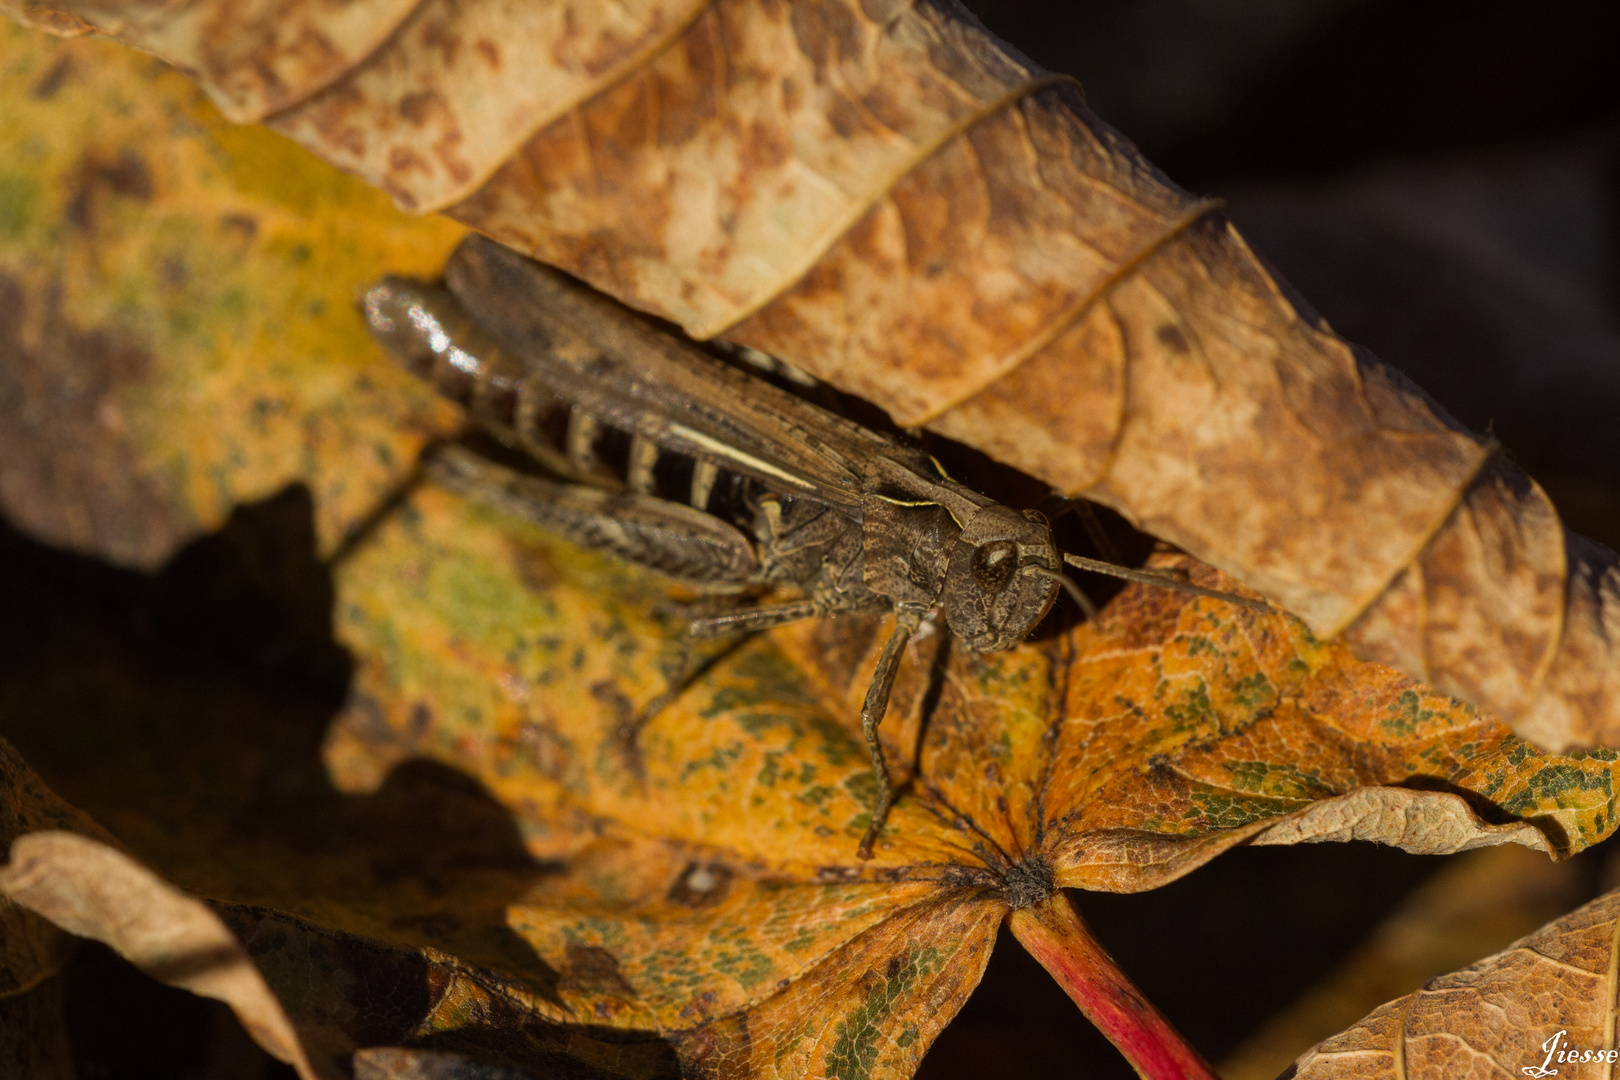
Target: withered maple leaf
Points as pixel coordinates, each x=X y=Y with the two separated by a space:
x=883 y=194
x=1114 y=756
x=700 y=885
x=707 y=889
x=1543 y=1006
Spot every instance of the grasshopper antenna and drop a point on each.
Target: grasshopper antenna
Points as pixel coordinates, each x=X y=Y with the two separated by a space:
x=1069 y=587
x=1164 y=580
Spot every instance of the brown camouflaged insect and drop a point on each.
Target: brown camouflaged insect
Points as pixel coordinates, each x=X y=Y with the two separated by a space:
x=670 y=458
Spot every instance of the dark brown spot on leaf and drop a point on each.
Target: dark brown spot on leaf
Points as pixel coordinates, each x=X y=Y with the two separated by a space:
x=593 y=970
x=127 y=176
x=66 y=472
x=826 y=32
x=172 y=271
x=699 y=1006
x=244 y=226
x=53 y=80
x=404 y=159
x=1173 y=339
x=419 y=106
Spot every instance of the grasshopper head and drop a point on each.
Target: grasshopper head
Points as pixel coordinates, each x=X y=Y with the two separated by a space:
x=991 y=600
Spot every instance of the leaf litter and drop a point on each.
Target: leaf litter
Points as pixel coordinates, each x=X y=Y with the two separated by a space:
x=596 y=904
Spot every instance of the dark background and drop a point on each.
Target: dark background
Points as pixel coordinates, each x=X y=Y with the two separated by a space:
x=1439 y=179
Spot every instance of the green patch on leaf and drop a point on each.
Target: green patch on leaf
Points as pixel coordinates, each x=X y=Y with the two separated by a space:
x=859 y=1035
x=19 y=201
x=1194 y=709
x=1254 y=692
x=1277 y=781
x=1563 y=785
x=1408 y=714
x=1224 y=809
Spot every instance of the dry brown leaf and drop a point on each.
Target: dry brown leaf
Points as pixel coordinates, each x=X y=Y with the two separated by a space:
x=1520 y=1012
x=1476 y=904
x=31 y=949
x=885 y=196
x=96 y=891
x=33 y=1035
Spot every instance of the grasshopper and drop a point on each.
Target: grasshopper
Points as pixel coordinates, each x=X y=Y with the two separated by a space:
x=673 y=459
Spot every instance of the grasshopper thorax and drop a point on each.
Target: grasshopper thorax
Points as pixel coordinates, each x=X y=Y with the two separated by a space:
x=1000 y=579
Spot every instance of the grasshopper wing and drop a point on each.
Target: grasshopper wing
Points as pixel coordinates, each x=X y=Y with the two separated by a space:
x=595 y=354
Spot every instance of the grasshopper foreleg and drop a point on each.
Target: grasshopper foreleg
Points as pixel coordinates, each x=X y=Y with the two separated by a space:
x=745 y=623
x=907 y=621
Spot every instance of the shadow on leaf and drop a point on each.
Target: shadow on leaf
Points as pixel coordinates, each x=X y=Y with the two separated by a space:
x=185 y=711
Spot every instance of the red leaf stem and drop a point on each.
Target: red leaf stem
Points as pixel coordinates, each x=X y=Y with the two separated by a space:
x=1055 y=934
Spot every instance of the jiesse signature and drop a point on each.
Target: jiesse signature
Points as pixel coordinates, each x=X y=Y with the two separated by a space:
x=1557 y=1052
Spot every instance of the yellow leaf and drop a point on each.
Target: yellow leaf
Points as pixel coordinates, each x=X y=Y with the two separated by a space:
x=179 y=295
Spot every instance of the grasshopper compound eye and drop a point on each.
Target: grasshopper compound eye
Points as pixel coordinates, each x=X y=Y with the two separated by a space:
x=990 y=601
x=995 y=565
